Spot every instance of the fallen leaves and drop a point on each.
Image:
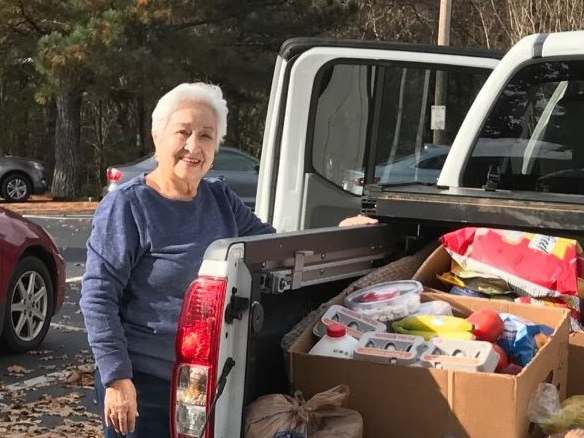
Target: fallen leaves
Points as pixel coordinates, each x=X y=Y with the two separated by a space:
x=17 y=370
x=35 y=412
x=81 y=375
x=23 y=419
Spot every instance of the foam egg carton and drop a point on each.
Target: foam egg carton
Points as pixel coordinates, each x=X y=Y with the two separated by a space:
x=460 y=355
x=355 y=323
x=389 y=348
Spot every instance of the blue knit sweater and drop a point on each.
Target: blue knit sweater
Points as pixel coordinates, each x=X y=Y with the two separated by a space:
x=143 y=252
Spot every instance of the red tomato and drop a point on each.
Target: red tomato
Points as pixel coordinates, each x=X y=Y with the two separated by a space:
x=503 y=358
x=487 y=325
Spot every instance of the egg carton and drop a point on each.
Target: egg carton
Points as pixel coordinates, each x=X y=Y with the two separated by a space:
x=465 y=355
x=355 y=323
x=389 y=348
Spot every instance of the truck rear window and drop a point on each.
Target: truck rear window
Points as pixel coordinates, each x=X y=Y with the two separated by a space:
x=533 y=139
x=406 y=115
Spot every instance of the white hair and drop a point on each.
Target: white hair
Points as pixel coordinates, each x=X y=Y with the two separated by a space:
x=194 y=92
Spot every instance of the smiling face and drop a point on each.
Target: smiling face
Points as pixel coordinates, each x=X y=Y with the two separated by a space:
x=186 y=146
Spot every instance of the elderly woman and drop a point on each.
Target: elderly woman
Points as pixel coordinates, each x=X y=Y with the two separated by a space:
x=146 y=246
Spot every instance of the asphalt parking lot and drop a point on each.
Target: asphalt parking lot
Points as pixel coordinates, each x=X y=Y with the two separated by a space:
x=48 y=392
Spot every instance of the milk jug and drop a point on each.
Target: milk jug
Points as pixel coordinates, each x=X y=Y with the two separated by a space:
x=336 y=343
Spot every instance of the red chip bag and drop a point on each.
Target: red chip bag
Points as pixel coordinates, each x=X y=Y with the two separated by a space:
x=533 y=264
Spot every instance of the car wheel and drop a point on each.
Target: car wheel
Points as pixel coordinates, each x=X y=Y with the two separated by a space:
x=16 y=188
x=29 y=306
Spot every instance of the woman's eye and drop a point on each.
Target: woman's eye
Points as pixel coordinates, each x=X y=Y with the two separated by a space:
x=184 y=133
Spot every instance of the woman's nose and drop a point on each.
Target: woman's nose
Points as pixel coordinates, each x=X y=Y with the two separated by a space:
x=192 y=144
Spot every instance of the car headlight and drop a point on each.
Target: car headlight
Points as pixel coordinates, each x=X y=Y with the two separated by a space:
x=37 y=165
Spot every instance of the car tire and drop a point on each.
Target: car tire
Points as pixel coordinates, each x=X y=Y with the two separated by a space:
x=16 y=187
x=29 y=306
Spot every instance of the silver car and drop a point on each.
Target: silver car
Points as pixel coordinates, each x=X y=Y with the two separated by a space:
x=238 y=169
x=20 y=178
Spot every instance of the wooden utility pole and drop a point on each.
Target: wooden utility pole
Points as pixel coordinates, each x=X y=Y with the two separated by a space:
x=441 y=79
x=444 y=22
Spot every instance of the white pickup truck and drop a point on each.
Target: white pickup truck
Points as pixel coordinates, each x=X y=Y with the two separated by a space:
x=426 y=139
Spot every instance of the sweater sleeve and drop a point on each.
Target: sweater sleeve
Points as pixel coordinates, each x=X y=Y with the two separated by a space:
x=248 y=224
x=112 y=250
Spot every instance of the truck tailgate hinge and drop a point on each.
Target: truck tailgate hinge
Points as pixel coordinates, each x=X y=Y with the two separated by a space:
x=279 y=281
x=298 y=268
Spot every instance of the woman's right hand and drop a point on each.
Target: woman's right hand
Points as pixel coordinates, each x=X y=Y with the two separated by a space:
x=120 y=406
x=360 y=219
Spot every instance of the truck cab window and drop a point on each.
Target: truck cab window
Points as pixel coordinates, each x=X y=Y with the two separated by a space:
x=533 y=139
x=340 y=128
x=406 y=114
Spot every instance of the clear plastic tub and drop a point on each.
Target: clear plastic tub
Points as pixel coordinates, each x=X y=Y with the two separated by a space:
x=387 y=301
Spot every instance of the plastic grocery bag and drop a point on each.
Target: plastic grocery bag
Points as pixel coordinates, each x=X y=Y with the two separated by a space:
x=320 y=417
x=546 y=410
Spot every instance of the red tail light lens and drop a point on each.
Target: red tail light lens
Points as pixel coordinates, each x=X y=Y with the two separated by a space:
x=113 y=174
x=197 y=349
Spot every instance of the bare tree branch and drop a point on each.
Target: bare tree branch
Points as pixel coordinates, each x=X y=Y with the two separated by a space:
x=30 y=21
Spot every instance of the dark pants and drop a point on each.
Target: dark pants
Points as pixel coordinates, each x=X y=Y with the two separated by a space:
x=153 y=407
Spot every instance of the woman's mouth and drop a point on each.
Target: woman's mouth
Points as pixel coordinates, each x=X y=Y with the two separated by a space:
x=191 y=161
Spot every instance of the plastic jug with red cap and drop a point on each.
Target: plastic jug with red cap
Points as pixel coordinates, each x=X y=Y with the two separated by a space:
x=335 y=343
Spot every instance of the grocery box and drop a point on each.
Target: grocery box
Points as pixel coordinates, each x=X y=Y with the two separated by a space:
x=575 y=364
x=409 y=402
x=439 y=262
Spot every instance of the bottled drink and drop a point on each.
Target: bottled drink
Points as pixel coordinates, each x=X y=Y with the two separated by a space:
x=336 y=343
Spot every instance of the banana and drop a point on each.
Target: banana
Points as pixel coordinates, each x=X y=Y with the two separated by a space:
x=427 y=335
x=435 y=323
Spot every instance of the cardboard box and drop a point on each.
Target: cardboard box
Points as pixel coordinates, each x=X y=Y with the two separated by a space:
x=407 y=402
x=575 y=364
x=439 y=262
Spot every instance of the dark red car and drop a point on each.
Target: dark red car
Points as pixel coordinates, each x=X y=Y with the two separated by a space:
x=32 y=282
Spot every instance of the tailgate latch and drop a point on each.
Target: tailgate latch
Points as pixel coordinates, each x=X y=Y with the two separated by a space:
x=235 y=307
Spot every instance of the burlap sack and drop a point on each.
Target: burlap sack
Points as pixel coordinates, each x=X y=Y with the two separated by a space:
x=320 y=417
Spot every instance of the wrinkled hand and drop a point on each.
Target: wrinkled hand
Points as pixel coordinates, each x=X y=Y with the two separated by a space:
x=120 y=406
x=357 y=220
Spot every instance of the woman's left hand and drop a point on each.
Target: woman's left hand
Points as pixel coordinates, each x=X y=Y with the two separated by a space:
x=357 y=220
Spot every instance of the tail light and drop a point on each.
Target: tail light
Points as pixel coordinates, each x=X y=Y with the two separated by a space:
x=113 y=175
x=197 y=350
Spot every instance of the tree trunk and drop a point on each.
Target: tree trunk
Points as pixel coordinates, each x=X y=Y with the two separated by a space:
x=145 y=143
x=66 y=176
x=50 y=120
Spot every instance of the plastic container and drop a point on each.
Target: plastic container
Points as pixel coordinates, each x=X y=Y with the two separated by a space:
x=387 y=301
x=335 y=343
x=435 y=307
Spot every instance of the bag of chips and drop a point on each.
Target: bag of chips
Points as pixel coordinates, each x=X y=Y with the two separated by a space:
x=532 y=264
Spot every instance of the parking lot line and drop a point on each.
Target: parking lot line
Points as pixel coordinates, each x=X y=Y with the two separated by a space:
x=69 y=328
x=36 y=381
x=60 y=216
